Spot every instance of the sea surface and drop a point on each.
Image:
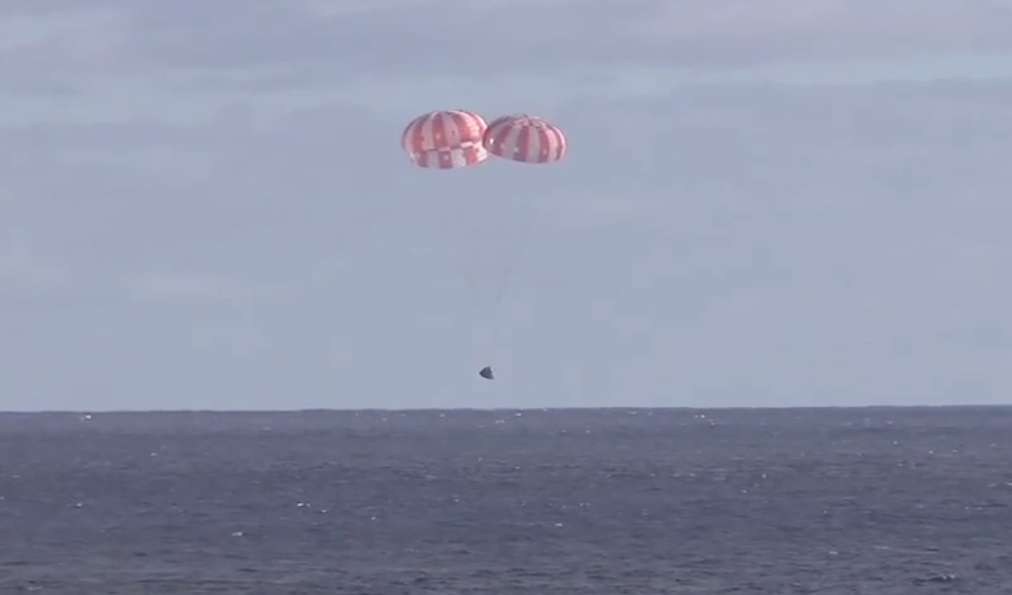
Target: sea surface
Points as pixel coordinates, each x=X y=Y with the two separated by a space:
x=623 y=501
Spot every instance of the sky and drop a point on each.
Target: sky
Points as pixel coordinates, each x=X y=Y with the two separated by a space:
x=764 y=203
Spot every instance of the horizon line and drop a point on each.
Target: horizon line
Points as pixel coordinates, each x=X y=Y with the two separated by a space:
x=495 y=409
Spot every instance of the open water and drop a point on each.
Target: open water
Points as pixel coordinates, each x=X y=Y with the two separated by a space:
x=867 y=501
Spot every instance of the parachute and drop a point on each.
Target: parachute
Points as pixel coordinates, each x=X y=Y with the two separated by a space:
x=460 y=139
x=523 y=138
x=445 y=139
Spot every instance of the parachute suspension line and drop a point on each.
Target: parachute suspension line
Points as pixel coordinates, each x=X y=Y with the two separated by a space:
x=473 y=286
x=502 y=287
x=475 y=231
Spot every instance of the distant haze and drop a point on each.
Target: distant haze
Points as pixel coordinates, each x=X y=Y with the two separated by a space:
x=765 y=203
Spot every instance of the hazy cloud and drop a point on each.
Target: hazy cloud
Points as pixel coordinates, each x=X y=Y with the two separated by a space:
x=221 y=196
x=176 y=287
x=431 y=37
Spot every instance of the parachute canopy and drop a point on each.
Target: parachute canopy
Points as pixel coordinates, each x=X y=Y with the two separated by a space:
x=524 y=138
x=445 y=139
x=486 y=373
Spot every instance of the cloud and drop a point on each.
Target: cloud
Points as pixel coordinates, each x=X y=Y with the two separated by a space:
x=238 y=194
x=188 y=288
x=710 y=241
x=288 y=41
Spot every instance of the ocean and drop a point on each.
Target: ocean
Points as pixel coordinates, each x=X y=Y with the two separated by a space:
x=876 y=501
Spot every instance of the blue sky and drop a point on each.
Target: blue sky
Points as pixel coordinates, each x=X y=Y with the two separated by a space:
x=765 y=202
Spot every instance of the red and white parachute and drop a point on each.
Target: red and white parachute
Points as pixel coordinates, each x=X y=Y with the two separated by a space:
x=446 y=139
x=524 y=138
